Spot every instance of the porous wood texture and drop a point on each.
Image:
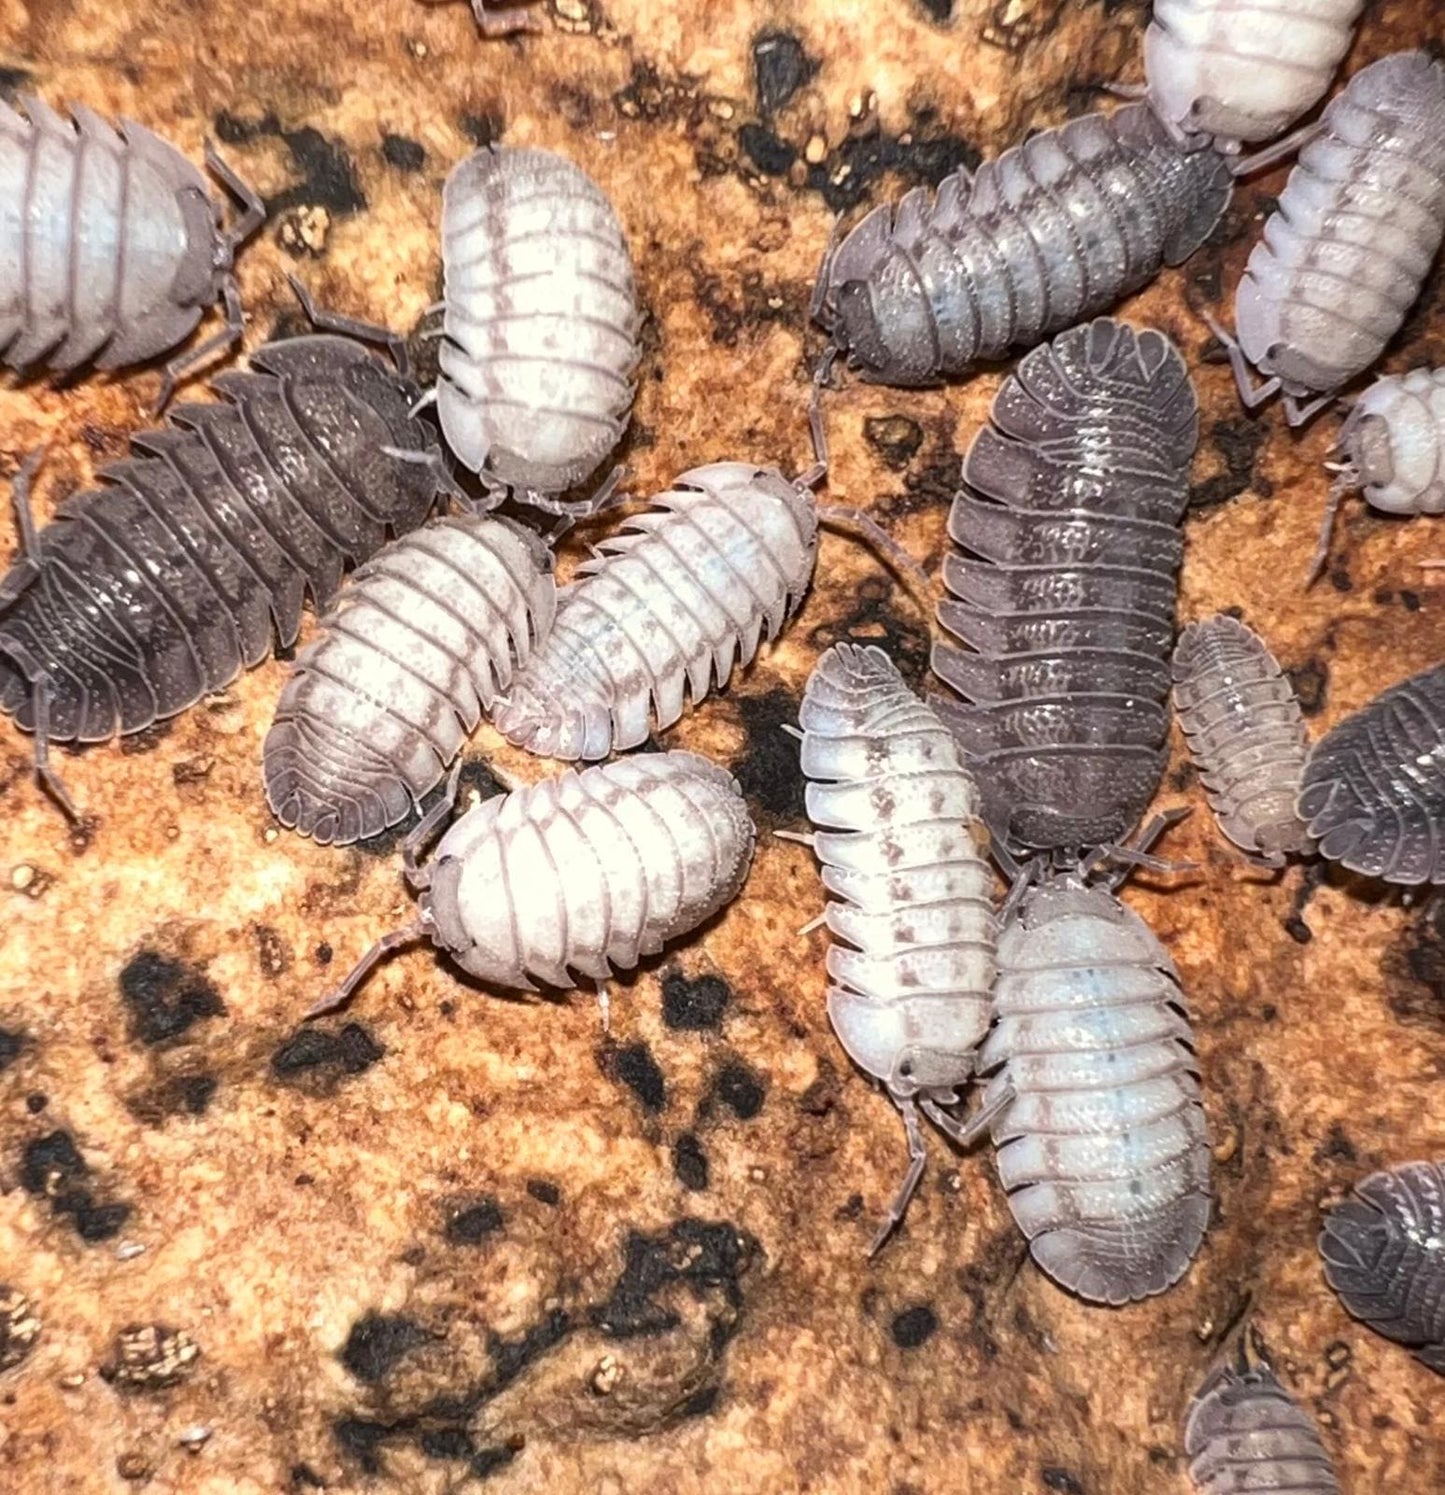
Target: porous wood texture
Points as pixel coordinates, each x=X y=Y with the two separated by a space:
x=452 y=1240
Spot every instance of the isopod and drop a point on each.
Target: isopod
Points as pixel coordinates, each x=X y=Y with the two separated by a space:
x=1373 y=792
x=541 y=322
x=1071 y=504
x=111 y=245
x=504 y=19
x=583 y=873
x=1102 y=1148
x=418 y=645
x=1246 y=734
x=1241 y=72
x=1246 y=1432
x=1384 y=1253
x=1343 y=256
x=164 y=584
x=1052 y=232
x=896 y=813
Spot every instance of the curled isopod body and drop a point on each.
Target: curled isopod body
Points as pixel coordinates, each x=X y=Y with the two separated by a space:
x=417 y=647
x=1246 y=1432
x=583 y=873
x=111 y=245
x=1071 y=506
x=1246 y=734
x=1244 y=72
x=541 y=321
x=1343 y=256
x=1054 y=231
x=896 y=816
x=1384 y=1254
x=1394 y=443
x=669 y=605
x=1102 y=1149
x=163 y=585
x=1373 y=792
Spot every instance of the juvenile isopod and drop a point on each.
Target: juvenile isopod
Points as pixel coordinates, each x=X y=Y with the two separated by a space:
x=1384 y=1253
x=1343 y=256
x=897 y=831
x=1245 y=1432
x=111 y=245
x=200 y=548
x=1053 y=232
x=1102 y=1147
x=583 y=873
x=1373 y=791
x=418 y=645
x=541 y=322
x=1238 y=71
x=1246 y=735
x=1071 y=505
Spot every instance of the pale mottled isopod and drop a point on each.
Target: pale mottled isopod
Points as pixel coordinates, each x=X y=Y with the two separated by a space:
x=1246 y=734
x=896 y=812
x=1241 y=71
x=1343 y=256
x=417 y=647
x=1245 y=1432
x=1102 y=1148
x=1053 y=232
x=1384 y=1254
x=541 y=322
x=111 y=246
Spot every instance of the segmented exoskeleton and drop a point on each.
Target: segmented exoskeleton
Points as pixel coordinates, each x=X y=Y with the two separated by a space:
x=1384 y=1254
x=417 y=647
x=199 y=550
x=1054 y=231
x=1373 y=791
x=1244 y=70
x=111 y=245
x=1102 y=1147
x=1071 y=506
x=1343 y=256
x=1245 y=1432
x=897 y=833
x=1246 y=734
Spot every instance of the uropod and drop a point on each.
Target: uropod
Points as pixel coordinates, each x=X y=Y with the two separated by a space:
x=111 y=245
x=903 y=854
x=583 y=873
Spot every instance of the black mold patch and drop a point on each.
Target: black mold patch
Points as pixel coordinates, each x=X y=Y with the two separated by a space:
x=165 y=997
x=51 y=1167
x=1414 y=969
x=303 y=1476
x=180 y=1095
x=484 y=128
x=689 y=1162
x=895 y=438
x=703 y=1256
x=689 y=1004
x=931 y=154
x=1238 y=444
x=1311 y=681
x=544 y=1191
x=938 y=10
x=639 y=1071
x=447 y=1443
x=328 y=177
x=402 y=152
x=363 y=1441
x=771 y=155
x=913 y=1326
x=489 y=1460
x=780 y=68
x=472 y=1223
x=739 y=1088
x=377 y=1342
x=767 y=769
x=510 y=1357
x=15 y=81
x=349 y=1051
x=11 y=1043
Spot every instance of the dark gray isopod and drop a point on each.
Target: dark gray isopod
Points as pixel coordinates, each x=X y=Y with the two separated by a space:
x=1245 y=1432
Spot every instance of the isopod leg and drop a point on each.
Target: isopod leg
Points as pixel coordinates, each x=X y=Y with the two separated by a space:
x=366 y=332
x=1251 y=394
x=1338 y=489
x=608 y=496
x=1136 y=853
x=421 y=833
x=1272 y=154
x=604 y=1006
x=363 y=968
x=893 y=555
x=917 y=1158
x=253 y=207
x=27 y=565
x=966 y=1133
x=506 y=21
x=43 y=771
x=1022 y=877
x=177 y=368
x=816 y=429
x=1296 y=414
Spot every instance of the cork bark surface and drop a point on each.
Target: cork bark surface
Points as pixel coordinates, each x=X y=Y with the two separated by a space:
x=450 y=1240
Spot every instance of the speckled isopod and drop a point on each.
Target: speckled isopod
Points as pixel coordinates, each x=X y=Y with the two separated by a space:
x=1245 y=1432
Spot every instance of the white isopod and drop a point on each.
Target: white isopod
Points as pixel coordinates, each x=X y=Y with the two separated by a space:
x=541 y=322
x=1242 y=71
x=583 y=873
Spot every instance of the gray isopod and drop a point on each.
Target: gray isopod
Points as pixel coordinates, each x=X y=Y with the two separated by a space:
x=586 y=872
x=1053 y=232
x=496 y=20
x=1384 y=1253
x=1245 y=1432
x=903 y=853
x=1246 y=734
x=1241 y=71
x=1102 y=1148
x=1373 y=792
x=416 y=648
x=111 y=246
x=541 y=322
x=1343 y=256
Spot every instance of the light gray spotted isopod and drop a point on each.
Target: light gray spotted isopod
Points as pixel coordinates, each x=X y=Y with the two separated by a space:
x=541 y=323
x=416 y=648
x=1246 y=735
x=898 y=832
x=111 y=245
